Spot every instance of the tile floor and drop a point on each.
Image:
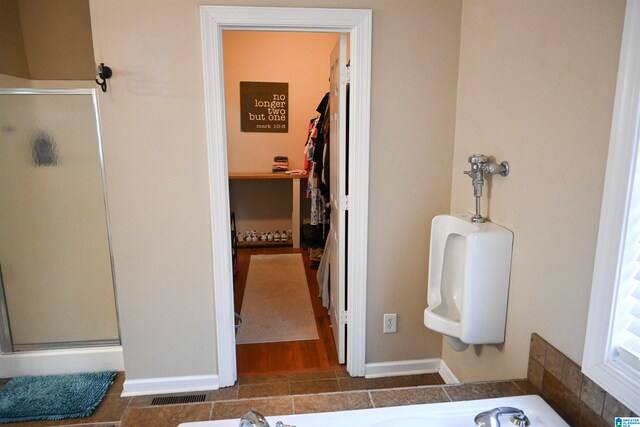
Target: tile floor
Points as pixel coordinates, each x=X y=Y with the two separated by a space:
x=288 y=394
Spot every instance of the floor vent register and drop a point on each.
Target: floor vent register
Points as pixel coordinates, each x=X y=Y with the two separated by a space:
x=173 y=400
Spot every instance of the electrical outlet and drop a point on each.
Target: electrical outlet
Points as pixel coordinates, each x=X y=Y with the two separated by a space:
x=390 y=321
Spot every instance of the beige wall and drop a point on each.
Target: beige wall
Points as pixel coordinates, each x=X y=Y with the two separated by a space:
x=300 y=59
x=155 y=153
x=46 y=40
x=57 y=39
x=156 y=167
x=536 y=88
x=13 y=59
x=7 y=81
x=415 y=68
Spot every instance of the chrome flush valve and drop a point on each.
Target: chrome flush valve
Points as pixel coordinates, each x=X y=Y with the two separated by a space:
x=480 y=165
x=477 y=162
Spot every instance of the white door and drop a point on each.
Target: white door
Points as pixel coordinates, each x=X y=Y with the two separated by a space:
x=338 y=199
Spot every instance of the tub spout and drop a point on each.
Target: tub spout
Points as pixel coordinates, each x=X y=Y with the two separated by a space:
x=253 y=419
x=491 y=417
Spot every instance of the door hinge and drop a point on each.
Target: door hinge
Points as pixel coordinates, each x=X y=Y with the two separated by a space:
x=344 y=203
x=344 y=317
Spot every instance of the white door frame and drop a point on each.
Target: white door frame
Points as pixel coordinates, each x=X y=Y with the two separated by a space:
x=356 y=22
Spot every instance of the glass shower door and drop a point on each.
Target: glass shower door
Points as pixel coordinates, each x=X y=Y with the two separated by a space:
x=55 y=256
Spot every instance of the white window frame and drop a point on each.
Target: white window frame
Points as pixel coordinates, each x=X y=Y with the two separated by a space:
x=599 y=361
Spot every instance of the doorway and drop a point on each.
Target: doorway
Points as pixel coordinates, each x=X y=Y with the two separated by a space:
x=279 y=180
x=358 y=24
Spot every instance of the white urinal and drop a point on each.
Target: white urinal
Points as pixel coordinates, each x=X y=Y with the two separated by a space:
x=469 y=267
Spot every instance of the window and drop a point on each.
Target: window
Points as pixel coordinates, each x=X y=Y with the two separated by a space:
x=626 y=322
x=612 y=346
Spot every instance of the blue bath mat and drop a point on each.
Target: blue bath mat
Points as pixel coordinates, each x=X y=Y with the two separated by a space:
x=53 y=397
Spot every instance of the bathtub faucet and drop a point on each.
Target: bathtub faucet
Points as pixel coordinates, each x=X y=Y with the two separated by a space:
x=255 y=419
x=490 y=418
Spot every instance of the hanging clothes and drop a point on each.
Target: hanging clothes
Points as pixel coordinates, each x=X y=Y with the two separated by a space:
x=317 y=207
x=310 y=144
x=315 y=160
x=320 y=156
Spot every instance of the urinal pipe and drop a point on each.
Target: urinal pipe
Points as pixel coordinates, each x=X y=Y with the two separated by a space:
x=477 y=217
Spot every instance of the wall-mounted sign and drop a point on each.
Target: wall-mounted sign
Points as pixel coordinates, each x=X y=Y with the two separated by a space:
x=264 y=107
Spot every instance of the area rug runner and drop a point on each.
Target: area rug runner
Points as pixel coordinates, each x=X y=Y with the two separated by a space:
x=276 y=306
x=53 y=397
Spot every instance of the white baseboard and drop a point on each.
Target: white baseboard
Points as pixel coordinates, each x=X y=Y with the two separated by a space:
x=170 y=385
x=447 y=374
x=67 y=361
x=402 y=367
x=411 y=367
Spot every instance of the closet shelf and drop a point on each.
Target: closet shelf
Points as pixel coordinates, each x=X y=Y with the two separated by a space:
x=265 y=175
x=264 y=244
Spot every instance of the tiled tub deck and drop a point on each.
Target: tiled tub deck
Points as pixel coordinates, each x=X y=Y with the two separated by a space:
x=288 y=394
x=550 y=374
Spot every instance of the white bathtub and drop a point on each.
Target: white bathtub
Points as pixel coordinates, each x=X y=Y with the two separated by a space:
x=449 y=414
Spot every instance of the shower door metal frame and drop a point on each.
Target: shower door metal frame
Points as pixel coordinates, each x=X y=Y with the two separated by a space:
x=6 y=342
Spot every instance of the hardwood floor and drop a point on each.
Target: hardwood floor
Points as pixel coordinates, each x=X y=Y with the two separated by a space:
x=292 y=356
